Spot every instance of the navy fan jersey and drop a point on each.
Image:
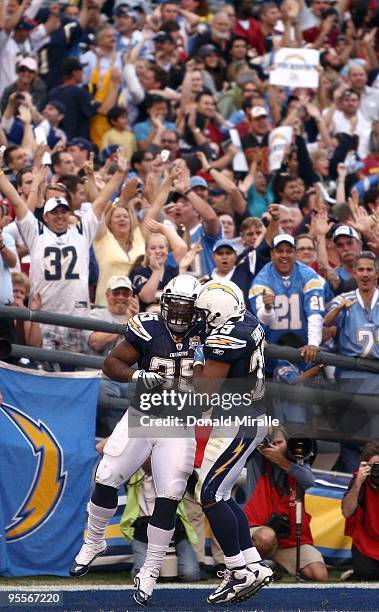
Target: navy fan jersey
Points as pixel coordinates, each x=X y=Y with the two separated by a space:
x=162 y=352
x=241 y=345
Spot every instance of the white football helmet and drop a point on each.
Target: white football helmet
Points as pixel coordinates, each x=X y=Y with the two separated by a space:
x=178 y=303
x=219 y=301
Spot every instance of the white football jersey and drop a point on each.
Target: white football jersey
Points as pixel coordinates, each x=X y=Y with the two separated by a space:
x=59 y=265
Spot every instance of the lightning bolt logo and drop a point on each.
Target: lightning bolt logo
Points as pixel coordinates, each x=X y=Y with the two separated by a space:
x=46 y=489
x=237 y=451
x=223 y=288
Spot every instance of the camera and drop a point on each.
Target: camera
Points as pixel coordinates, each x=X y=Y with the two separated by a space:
x=300 y=449
x=280 y=523
x=374 y=474
x=266 y=442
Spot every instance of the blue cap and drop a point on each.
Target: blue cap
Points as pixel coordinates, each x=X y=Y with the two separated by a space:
x=82 y=143
x=198 y=181
x=223 y=242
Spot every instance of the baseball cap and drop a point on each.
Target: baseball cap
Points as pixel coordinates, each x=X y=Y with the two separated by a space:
x=162 y=37
x=198 y=181
x=70 y=64
x=258 y=111
x=116 y=282
x=26 y=23
x=52 y=203
x=345 y=230
x=283 y=238
x=61 y=108
x=206 y=50
x=28 y=62
x=223 y=242
x=82 y=143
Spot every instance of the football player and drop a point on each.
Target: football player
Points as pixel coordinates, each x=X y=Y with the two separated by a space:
x=233 y=360
x=163 y=347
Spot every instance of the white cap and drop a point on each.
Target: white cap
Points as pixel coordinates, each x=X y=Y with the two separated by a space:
x=52 y=203
x=283 y=238
x=118 y=282
x=28 y=62
x=345 y=230
x=258 y=111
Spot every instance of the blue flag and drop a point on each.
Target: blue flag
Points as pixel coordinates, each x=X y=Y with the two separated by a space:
x=47 y=441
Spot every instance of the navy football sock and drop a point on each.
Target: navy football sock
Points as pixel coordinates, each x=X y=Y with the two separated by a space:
x=224 y=525
x=243 y=525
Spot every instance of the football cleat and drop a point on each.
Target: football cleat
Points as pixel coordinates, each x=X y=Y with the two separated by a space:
x=234 y=583
x=85 y=557
x=144 y=583
x=263 y=576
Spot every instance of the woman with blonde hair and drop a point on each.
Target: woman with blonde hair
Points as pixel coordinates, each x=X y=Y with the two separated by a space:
x=157 y=267
x=117 y=246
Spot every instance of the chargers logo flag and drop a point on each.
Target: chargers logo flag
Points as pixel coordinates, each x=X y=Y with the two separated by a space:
x=47 y=438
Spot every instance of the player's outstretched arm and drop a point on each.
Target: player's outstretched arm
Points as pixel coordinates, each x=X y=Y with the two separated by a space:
x=117 y=364
x=11 y=194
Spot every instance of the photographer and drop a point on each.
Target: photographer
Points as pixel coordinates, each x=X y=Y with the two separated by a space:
x=360 y=507
x=271 y=509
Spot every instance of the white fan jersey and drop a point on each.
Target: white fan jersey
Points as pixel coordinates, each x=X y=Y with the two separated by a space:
x=59 y=264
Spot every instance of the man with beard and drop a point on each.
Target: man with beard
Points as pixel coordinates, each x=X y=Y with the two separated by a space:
x=219 y=35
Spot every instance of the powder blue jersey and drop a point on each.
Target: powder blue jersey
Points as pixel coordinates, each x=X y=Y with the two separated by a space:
x=358 y=328
x=297 y=297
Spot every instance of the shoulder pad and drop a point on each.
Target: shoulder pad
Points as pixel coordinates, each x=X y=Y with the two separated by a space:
x=225 y=342
x=141 y=324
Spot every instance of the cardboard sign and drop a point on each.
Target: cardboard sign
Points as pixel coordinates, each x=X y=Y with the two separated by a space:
x=296 y=68
x=278 y=140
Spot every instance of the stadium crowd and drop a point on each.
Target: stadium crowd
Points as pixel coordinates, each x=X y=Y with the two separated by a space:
x=137 y=143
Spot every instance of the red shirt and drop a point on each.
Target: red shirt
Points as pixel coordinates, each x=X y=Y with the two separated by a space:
x=363 y=525
x=267 y=500
x=253 y=35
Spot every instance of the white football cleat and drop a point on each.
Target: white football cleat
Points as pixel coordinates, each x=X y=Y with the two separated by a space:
x=144 y=582
x=263 y=577
x=234 y=584
x=87 y=554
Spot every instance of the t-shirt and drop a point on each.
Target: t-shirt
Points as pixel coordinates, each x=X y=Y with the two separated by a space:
x=112 y=259
x=80 y=107
x=141 y=275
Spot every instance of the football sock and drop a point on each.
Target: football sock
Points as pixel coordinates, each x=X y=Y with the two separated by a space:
x=224 y=525
x=98 y=519
x=249 y=551
x=158 y=543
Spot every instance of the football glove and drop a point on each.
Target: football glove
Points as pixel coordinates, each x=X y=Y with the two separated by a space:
x=148 y=379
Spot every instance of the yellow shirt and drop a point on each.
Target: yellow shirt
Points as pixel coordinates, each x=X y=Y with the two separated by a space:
x=126 y=140
x=112 y=259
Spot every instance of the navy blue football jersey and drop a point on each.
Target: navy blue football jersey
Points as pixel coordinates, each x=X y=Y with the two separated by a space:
x=241 y=345
x=162 y=352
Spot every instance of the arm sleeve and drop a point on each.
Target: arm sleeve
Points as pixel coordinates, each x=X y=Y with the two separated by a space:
x=267 y=318
x=315 y=323
x=302 y=474
x=133 y=84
